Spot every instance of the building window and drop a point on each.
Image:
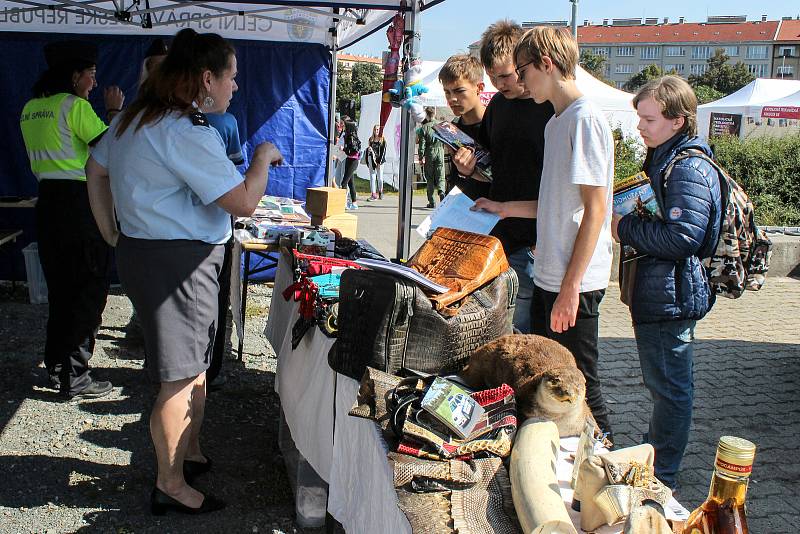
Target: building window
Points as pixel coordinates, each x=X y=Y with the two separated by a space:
x=675 y=51
x=623 y=68
x=730 y=51
x=786 y=51
x=677 y=67
x=701 y=52
x=601 y=51
x=785 y=71
x=699 y=70
x=757 y=52
x=625 y=51
x=649 y=52
x=759 y=70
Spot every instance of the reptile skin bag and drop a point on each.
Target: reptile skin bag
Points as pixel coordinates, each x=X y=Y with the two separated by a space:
x=462 y=261
x=388 y=323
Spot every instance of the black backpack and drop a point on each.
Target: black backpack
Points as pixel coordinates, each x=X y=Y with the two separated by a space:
x=352 y=144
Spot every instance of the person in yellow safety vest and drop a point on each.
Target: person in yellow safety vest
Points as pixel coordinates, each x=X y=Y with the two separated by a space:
x=58 y=127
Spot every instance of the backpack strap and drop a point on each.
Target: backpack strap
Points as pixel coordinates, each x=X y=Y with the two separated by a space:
x=724 y=190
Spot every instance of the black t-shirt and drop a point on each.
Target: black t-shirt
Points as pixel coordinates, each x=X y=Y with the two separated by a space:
x=513 y=132
x=474 y=189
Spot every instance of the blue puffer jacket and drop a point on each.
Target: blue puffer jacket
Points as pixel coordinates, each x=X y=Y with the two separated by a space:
x=671 y=282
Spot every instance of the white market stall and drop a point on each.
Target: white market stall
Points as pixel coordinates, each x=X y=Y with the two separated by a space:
x=617 y=106
x=740 y=113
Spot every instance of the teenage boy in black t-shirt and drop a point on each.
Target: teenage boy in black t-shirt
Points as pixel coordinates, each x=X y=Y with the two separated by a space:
x=513 y=131
x=461 y=77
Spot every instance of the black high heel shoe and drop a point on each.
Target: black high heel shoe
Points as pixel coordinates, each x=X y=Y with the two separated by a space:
x=192 y=469
x=161 y=503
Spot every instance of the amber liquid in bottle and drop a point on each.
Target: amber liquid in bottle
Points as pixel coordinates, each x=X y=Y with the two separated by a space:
x=724 y=510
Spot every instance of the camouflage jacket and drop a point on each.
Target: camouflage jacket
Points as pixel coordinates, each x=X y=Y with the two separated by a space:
x=671 y=281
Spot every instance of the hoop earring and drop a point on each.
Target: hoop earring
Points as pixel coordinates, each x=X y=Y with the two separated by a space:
x=208 y=102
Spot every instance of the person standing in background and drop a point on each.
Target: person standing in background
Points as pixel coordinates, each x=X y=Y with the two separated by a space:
x=154 y=55
x=58 y=127
x=376 y=157
x=352 y=148
x=431 y=153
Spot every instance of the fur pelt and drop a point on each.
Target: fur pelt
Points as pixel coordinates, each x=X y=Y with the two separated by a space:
x=546 y=381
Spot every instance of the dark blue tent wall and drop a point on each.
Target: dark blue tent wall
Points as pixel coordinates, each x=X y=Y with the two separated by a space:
x=282 y=97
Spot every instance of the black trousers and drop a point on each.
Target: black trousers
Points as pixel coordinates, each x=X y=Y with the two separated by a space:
x=224 y=301
x=76 y=263
x=349 y=179
x=581 y=340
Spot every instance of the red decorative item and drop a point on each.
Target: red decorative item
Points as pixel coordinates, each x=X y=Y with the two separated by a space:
x=395 y=35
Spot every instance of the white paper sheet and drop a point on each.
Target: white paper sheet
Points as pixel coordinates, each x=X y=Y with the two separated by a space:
x=454 y=212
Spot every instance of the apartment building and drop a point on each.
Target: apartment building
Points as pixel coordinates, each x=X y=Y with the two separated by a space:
x=786 y=51
x=348 y=61
x=630 y=45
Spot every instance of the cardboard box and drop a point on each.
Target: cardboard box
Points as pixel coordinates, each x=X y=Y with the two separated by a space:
x=323 y=202
x=346 y=223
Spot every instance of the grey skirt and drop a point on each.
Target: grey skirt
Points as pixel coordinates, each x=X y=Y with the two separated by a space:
x=173 y=287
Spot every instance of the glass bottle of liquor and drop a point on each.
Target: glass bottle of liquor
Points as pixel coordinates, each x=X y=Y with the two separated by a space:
x=723 y=512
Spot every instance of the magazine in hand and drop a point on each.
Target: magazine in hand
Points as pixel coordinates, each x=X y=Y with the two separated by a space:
x=452 y=405
x=406 y=272
x=452 y=136
x=635 y=194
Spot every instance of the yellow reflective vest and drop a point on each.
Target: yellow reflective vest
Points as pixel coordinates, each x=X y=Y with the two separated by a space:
x=57 y=131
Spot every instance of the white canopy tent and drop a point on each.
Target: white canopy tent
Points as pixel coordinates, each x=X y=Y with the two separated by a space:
x=739 y=113
x=310 y=21
x=617 y=106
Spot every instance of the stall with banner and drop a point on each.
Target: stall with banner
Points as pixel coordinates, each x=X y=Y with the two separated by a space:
x=740 y=113
x=286 y=52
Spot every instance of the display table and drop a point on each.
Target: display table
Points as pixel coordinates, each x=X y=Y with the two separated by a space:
x=347 y=452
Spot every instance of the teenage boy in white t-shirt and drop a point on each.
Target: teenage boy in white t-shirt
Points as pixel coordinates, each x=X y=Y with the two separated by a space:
x=573 y=245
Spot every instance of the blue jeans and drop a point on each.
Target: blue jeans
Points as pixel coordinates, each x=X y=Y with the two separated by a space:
x=665 y=354
x=522 y=264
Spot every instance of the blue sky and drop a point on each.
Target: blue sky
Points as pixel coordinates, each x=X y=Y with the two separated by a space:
x=452 y=25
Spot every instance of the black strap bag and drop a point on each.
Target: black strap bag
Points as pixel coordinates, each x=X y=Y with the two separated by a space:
x=388 y=323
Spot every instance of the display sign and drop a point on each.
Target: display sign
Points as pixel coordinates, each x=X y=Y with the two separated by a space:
x=725 y=124
x=781 y=112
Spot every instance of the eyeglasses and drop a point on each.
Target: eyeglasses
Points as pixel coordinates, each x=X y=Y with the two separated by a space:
x=519 y=70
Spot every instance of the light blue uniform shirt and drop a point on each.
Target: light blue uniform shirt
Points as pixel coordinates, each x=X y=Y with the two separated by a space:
x=165 y=178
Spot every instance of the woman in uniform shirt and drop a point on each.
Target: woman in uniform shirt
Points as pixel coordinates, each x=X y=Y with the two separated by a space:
x=165 y=172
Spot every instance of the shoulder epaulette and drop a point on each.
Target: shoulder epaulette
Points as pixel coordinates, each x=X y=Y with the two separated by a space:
x=199 y=118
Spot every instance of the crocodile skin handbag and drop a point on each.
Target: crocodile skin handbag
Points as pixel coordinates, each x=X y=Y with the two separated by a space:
x=388 y=323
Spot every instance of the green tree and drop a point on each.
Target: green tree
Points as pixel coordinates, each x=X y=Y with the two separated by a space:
x=367 y=78
x=362 y=79
x=650 y=72
x=706 y=94
x=721 y=75
x=594 y=64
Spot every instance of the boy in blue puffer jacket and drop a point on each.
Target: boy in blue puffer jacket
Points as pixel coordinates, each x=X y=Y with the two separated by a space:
x=668 y=287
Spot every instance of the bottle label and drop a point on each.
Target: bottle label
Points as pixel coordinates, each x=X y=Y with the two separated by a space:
x=734 y=469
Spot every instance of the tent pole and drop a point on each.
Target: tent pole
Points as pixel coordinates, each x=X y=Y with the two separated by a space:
x=329 y=166
x=407 y=145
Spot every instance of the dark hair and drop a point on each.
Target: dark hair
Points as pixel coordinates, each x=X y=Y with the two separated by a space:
x=58 y=80
x=176 y=83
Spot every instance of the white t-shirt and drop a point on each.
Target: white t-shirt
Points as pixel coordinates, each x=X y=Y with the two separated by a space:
x=578 y=150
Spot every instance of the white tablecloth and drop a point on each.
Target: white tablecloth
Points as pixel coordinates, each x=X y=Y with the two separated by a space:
x=361 y=494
